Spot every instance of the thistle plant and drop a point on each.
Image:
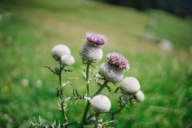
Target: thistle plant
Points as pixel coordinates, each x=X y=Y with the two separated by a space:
x=97 y=103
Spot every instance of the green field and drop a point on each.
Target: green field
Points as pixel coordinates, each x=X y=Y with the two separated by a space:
x=29 y=30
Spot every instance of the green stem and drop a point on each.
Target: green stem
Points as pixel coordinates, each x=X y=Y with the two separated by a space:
x=60 y=74
x=96 y=121
x=88 y=93
x=61 y=95
x=118 y=110
x=84 y=115
x=88 y=105
x=63 y=113
x=87 y=78
x=115 y=112
x=101 y=88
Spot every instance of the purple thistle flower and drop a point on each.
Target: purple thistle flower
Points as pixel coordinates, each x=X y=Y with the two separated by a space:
x=118 y=60
x=95 y=39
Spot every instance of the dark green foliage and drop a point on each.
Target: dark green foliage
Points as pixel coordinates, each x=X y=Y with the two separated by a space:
x=171 y=6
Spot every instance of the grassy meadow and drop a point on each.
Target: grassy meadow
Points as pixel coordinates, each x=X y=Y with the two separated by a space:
x=29 y=29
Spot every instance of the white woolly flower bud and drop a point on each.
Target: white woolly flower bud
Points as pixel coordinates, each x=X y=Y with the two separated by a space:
x=67 y=59
x=100 y=103
x=139 y=96
x=59 y=50
x=130 y=85
x=111 y=72
x=91 y=53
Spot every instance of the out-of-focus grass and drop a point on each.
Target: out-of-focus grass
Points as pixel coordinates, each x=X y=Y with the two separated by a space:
x=175 y=29
x=28 y=31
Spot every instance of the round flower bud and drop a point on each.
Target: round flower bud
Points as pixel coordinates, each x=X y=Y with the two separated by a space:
x=59 y=50
x=91 y=53
x=100 y=103
x=111 y=72
x=139 y=96
x=126 y=97
x=67 y=59
x=130 y=85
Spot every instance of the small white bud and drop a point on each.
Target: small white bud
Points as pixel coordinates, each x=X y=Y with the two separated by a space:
x=130 y=85
x=67 y=59
x=100 y=103
x=59 y=50
x=139 y=96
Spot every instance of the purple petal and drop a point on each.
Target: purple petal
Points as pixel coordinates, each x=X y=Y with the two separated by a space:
x=95 y=39
x=118 y=60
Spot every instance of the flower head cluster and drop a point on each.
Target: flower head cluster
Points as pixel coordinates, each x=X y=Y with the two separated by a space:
x=111 y=71
x=95 y=39
x=118 y=60
x=62 y=53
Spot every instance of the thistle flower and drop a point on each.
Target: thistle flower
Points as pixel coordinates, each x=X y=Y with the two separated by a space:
x=100 y=103
x=113 y=70
x=130 y=85
x=92 y=49
x=118 y=60
x=110 y=72
x=67 y=59
x=95 y=39
x=59 y=50
x=139 y=96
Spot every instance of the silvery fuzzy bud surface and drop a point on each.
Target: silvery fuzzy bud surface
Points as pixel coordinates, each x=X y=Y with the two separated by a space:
x=100 y=103
x=91 y=53
x=130 y=85
x=59 y=50
x=110 y=72
x=67 y=59
x=139 y=96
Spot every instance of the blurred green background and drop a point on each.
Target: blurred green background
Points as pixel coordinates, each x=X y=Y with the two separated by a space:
x=157 y=44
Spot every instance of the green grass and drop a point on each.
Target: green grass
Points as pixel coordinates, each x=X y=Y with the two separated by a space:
x=29 y=30
x=175 y=29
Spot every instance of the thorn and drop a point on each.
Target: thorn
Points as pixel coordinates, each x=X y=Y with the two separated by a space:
x=54 y=72
x=76 y=92
x=73 y=91
x=67 y=70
